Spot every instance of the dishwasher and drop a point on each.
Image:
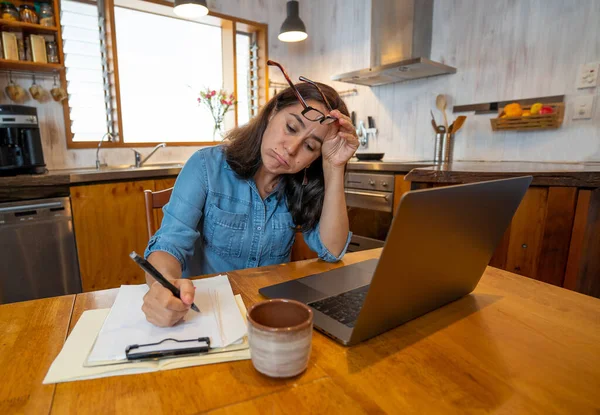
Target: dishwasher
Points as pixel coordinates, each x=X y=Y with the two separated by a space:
x=38 y=255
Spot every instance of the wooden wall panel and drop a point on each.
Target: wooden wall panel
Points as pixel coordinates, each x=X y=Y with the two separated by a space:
x=110 y=222
x=526 y=233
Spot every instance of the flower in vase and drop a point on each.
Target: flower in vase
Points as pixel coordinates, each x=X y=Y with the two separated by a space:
x=218 y=105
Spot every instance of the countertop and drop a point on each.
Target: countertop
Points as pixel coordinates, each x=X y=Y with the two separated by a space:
x=549 y=174
x=544 y=174
x=513 y=343
x=69 y=177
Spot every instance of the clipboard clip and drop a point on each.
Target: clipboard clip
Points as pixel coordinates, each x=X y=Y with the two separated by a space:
x=139 y=353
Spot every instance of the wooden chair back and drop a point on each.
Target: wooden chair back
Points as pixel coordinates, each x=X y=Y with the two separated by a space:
x=154 y=201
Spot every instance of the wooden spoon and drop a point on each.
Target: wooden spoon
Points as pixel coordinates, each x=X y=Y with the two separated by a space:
x=440 y=103
x=460 y=120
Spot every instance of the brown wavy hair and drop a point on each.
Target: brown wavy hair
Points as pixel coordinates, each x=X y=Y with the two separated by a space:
x=242 y=152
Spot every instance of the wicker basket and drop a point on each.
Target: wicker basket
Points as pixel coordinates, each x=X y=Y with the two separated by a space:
x=533 y=122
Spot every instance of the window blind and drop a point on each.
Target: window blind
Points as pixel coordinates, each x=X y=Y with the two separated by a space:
x=84 y=70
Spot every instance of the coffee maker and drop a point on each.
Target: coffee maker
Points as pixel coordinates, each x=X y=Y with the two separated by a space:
x=20 y=142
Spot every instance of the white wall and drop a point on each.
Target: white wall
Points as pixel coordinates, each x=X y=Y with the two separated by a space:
x=503 y=50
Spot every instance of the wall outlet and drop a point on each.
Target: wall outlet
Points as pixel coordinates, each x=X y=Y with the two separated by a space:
x=588 y=75
x=582 y=107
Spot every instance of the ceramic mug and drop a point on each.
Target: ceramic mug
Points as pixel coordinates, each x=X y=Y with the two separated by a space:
x=58 y=93
x=36 y=91
x=15 y=92
x=280 y=337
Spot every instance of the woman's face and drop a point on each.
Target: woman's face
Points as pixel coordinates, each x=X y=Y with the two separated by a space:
x=291 y=142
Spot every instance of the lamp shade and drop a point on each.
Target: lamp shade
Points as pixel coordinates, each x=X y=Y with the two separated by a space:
x=292 y=29
x=191 y=8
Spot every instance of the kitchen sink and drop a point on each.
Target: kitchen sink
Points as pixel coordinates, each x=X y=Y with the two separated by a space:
x=119 y=172
x=117 y=168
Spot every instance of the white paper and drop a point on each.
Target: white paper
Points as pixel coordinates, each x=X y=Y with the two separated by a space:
x=69 y=365
x=219 y=319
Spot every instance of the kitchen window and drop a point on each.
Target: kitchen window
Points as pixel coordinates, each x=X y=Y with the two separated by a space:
x=142 y=83
x=161 y=73
x=86 y=109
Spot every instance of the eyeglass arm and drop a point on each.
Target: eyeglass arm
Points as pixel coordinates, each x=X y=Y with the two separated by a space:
x=289 y=81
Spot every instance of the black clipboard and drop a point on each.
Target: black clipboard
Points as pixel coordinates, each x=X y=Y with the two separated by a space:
x=148 y=351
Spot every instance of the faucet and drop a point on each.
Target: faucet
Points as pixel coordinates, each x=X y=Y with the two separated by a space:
x=138 y=157
x=361 y=132
x=98 y=164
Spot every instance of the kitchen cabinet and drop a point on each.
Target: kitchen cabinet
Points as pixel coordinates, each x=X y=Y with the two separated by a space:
x=110 y=222
x=537 y=245
x=553 y=237
x=583 y=265
x=400 y=187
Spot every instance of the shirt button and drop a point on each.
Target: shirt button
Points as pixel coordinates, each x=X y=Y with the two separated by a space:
x=253 y=258
x=258 y=228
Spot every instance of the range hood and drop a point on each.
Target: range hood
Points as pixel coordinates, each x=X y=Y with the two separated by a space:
x=400 y=44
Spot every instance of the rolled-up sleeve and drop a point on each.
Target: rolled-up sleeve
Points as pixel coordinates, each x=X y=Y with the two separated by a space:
x=179 y=229
x=314 y=242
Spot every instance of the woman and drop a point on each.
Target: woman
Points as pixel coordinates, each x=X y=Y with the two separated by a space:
x=237 y=205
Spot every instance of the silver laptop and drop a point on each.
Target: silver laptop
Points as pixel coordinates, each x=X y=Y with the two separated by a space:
x=438 y=246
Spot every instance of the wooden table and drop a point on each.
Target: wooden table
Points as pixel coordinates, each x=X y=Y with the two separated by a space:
x=515 y=345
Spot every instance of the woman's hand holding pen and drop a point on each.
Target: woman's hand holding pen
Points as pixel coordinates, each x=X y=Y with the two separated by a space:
x=162 y=308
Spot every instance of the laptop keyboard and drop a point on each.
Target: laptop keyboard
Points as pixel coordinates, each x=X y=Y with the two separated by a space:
x=343 y=307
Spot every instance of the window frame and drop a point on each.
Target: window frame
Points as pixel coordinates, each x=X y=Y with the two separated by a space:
x=229 y=26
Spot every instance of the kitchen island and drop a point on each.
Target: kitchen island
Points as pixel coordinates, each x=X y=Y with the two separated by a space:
x=555 y=234
x=515 y=345
x=544 y=174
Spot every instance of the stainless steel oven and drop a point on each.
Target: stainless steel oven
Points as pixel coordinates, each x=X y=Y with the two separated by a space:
x=370 y=199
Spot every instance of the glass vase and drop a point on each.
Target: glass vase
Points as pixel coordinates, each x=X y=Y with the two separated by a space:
x=218 y=132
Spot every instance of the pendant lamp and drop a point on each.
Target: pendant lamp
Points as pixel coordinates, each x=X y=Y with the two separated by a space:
x=191 y=9
x=292 y=29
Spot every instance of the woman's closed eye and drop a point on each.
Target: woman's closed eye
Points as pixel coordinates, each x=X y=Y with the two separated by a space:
x=290 y=128
x=312 y=145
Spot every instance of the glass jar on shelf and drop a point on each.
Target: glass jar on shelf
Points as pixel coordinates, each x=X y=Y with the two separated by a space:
x=52 y=52
x=46 y=16
x=8 y=11
x=28 y=14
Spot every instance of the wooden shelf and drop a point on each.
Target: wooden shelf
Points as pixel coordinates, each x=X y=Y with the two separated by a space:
x=28 y=27
x=30 y=66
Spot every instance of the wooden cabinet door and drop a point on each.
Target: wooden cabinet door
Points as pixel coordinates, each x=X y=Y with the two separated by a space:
x=110 y=222
x=400 y=187
x=537 y=243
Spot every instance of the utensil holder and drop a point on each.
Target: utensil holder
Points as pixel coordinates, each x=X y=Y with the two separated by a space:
x=443 y=148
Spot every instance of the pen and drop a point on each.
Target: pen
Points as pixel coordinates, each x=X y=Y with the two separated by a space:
x=146 y=266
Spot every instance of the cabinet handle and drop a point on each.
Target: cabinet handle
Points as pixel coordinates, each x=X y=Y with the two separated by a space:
x=379 y=195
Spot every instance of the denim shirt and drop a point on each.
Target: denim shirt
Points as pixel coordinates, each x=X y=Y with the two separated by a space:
x=216 y=221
